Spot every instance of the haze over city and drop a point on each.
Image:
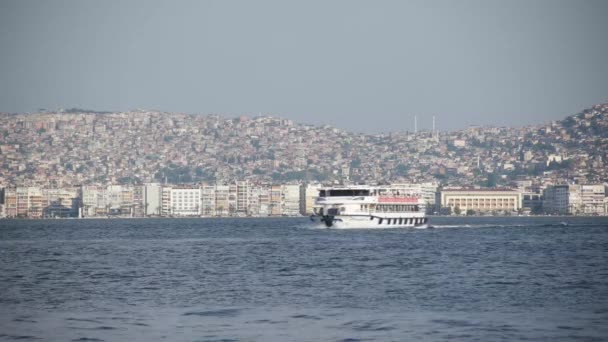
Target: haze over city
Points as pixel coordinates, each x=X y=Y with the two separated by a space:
x=360 y=66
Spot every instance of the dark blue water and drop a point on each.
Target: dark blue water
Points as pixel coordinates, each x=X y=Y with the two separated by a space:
x=475 y=279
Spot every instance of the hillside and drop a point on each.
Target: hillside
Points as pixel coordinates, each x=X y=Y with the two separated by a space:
x=70 y=148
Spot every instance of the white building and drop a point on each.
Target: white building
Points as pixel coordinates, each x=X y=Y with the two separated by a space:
x=222 y=200
x=308 y=195
x=561 y=199
x=152 y=199
x=185 y=201
x=165 y=201
x=242 y=198
x=208 y=200
x=426 y=191
x=592 y=199
x=291 y=199
x=480 y=200
x=575 y=199
x=93 y=200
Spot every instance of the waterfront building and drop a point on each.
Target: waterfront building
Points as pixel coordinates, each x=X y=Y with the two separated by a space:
x=242 y=198
x=308 y=195
x=253 y=201
x=138 y=209
x=152 y=201
x=427 y=191
x=61 y=202
x=222 y=202
x=575 y=199
x=290 y=199
x=127 y=203
x=276 y=199
x=93 y=200
x=232 y=198
x=10 y=202
x=592 y=199
x=208 y=200
x=23 y=202
x=264 y=201
x=166 y=208
x=480 y=200
x=532 y=203
x=561 y=199
x=185 y=201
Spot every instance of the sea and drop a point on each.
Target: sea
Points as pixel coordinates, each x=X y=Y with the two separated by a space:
x=286 y=279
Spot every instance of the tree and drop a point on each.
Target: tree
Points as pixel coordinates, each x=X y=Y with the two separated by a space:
x=401 y=170
x=457 y=210
x=492 y=180
x=470 y=212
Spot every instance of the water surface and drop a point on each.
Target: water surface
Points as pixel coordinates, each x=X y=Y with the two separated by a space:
x=279 y=279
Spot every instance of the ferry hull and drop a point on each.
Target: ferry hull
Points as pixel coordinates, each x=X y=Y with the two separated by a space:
x=371 y=222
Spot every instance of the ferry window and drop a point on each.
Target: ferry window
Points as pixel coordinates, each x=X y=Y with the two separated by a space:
x=321 y=193
x=348 y=193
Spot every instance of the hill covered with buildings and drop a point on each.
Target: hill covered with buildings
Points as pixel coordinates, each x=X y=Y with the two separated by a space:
x=136 y=164
x=78 y=147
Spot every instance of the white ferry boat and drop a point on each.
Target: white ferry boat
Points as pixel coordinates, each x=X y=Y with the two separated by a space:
x=368 y=207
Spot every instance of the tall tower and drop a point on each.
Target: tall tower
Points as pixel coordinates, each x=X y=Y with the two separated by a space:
x=415 y=124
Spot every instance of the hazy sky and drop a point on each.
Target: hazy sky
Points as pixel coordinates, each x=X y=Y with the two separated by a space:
x=359 y=65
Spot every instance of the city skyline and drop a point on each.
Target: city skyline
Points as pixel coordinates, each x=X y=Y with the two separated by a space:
x=361 y=67
x=415 y=123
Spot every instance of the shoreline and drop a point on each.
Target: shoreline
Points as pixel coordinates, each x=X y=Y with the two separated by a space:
x=285 y=217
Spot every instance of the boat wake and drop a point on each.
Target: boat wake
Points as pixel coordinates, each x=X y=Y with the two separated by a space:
x=489 y=225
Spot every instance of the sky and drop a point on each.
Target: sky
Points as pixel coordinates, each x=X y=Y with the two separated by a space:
x=363 y=66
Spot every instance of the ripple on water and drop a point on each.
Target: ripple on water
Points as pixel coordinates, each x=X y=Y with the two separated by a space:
x=304 y=316
x=214 y=313
x=20 y=337
x=372 y=325
x=83 y=320
x=454 y=323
